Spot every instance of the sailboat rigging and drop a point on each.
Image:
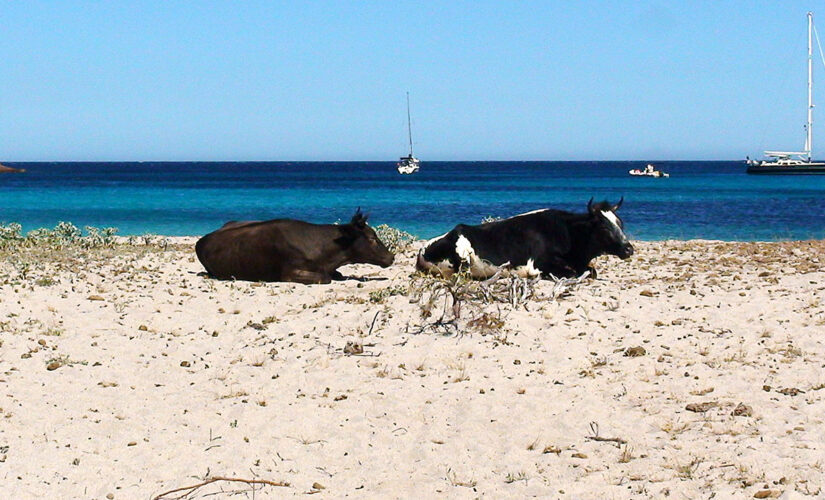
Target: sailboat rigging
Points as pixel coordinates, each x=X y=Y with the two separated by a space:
x=408 y=164
x=796 y=162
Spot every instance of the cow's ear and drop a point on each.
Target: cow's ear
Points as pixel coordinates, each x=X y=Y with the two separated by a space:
x=359 y=220
x=617 y=205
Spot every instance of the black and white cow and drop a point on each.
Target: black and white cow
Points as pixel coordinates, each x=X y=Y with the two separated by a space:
x=539 y=243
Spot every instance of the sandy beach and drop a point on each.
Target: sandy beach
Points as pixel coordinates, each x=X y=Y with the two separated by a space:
x=692 y=369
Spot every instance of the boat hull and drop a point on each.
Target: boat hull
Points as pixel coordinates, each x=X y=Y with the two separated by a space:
x=408 y=165
x=807 y=169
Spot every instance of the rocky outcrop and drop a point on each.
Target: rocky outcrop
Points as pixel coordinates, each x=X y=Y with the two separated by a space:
x=8 y=170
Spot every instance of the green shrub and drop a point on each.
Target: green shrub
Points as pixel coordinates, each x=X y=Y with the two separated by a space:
x=64 y=234
x=396 y=240
x=489 y=219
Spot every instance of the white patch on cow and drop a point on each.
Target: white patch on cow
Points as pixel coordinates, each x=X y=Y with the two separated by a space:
x=615 y=221
x=477 y=267
x=531 y=212
x=528 y=270
x=612 y=218
x=464 y=249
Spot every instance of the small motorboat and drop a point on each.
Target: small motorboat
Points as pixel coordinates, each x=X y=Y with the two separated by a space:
x=649 y=171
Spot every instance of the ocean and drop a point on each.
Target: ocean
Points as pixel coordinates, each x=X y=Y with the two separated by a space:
x=707 y=199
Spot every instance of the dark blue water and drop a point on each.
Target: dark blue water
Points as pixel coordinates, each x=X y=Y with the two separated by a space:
x=714 y=200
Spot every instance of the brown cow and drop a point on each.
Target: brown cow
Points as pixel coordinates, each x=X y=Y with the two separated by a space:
x=290 y=250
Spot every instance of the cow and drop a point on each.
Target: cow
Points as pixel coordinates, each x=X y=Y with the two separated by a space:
x=290 y=250
x=546 y=243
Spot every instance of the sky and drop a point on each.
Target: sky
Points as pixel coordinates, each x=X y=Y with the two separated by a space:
x=326 y=80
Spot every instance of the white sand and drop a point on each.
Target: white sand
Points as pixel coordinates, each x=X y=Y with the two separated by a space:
x=173 y=377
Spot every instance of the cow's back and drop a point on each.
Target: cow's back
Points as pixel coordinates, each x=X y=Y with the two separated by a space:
x=530 y=239
x=244 y=250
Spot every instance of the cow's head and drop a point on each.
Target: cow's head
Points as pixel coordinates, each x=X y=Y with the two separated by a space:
x=364 y=245
x=608 y=231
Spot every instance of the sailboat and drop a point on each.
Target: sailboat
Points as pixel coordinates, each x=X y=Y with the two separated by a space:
x=798 y=162
x=408 y=164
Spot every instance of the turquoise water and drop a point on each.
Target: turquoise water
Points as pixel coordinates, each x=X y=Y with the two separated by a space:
x=714 y=200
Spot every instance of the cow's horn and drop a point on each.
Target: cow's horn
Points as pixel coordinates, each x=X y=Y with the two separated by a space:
x=590 y=205
x=617 y=205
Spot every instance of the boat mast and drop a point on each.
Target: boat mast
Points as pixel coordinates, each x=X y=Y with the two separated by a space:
x=409 y=122
x=809 y=126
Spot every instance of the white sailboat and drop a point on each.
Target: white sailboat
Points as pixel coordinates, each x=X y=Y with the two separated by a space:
x=408 y=164
x=794 y=162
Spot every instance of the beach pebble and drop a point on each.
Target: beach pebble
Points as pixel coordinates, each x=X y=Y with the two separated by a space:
x=766 y=494
x=742 y=410
x=54 y=365
x=701 y=407
x=634 y=352
x=353 y=348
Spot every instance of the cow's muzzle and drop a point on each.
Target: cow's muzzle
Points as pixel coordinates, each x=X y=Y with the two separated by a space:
x=626 y=251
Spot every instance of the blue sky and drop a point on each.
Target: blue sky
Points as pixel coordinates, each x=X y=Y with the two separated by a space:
x=145 y=80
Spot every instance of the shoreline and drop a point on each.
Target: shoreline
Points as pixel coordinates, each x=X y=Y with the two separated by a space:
x=186 y=239
x=691 y=368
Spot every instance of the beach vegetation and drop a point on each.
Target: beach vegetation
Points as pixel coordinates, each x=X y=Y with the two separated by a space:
x=381 y=295
x=62 y=235
x=62 y=360
x=42 y=254
x=453 y=479
x=44 y=281
x=673 y=428
x=462 y=375
x=627 y=454
x=688 y=470
x=394 y=239
x=513 y=477
x=459 y=303
x=52 y=332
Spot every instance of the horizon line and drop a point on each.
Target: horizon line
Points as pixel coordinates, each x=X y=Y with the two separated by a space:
x=7 y=162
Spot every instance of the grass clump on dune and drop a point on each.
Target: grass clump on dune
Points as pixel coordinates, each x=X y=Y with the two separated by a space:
x=34 y=256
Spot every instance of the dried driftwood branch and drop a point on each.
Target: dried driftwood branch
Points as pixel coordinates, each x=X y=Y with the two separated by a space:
x=188 y=490
x=594 y=429
x=563 y=286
